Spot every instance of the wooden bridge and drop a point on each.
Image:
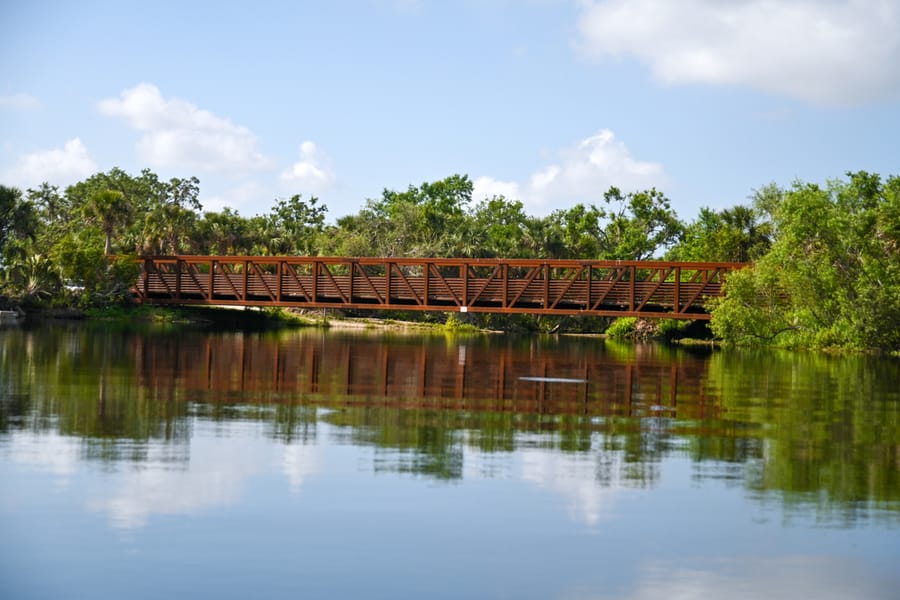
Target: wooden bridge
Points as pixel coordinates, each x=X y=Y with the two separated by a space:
x=536 y=286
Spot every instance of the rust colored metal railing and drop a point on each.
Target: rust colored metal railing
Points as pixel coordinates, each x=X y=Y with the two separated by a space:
x=552 y=287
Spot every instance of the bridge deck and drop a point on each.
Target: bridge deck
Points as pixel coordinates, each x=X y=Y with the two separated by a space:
x=552 y=287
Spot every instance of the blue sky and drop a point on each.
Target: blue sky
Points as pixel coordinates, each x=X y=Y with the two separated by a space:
x=545 y=101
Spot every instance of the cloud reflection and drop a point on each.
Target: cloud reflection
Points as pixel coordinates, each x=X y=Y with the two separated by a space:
x=775 y=578
x=299 y=461
x=574 y=476
x=49 y=452
x=214 y=475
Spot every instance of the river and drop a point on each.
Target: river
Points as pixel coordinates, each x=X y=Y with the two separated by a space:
x=335 y=464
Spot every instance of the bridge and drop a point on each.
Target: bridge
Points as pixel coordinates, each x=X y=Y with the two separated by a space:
x=655 y=289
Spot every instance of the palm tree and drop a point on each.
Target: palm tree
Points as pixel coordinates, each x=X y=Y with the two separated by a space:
x=18 y=221
x=109 y=210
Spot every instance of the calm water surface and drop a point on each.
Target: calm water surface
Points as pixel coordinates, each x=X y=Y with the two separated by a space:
x=337 y=465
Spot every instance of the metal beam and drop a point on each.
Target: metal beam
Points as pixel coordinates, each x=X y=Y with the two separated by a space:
x=627 y=288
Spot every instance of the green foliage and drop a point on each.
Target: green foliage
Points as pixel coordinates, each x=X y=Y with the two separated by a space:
x=622 y=328
x=826 y=258
x=755 y=309
x=731 y=235
x=633 y=226
x=640 y=224
x=429 y=220
x=832 y=276
x=18 y=224
x=633 y=328
x=671 y=329
x=500 y=228
x=454 y=324
x=293 y=227
x=32 y=279
x=110 y=211
x=224 y=233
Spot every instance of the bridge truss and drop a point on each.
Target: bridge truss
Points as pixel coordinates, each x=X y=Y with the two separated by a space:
x=678 y=290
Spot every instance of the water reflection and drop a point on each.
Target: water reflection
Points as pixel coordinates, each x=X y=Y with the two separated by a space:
x=774 y=578
x=584 y=417
x=346 y=466
x=576 y=478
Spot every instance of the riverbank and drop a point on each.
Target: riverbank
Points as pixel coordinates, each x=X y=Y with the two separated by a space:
x=130 y=316
x=225 y=317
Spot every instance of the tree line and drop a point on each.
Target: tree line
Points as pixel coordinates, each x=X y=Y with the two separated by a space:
x=826 y=268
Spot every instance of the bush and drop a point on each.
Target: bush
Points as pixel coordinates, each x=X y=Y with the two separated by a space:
x=672 y=329
x=622 y=328
x=454 y=324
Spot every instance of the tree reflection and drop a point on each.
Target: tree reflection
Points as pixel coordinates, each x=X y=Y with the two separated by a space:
x=830 y=426
x=812 y=428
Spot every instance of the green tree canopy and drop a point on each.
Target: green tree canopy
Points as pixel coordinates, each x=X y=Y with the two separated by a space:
x=834 y=268
x=18 y=223
x=731 y=235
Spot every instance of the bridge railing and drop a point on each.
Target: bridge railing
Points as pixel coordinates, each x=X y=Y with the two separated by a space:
x=601 y=288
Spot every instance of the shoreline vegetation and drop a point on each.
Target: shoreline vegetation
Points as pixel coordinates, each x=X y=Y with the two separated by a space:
x=824 y=258
x=242 y=318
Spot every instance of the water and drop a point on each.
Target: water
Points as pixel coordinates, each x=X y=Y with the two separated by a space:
x=348 y=465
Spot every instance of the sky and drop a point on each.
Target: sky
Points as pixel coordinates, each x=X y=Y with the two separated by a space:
x=549 y=102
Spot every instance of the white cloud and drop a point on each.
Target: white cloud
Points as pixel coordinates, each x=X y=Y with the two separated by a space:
x=20 y=102
x=177 y=133
x=60 y=166
x=581 y=174
x=488 y=187
x=824 y=52
x=311 y=172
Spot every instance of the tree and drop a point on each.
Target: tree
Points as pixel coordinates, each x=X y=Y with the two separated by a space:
x=732 y=235
x=638 y=224
x=576 y=232
x=171 y=211
x=416 y=222
x=295 y=224
x=18 y=223
x=52 y=207
x=836 y=263
x=499 y=224
x=109 y=209
x=224 y=232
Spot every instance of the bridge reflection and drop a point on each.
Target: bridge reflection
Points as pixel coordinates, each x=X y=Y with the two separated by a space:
x=587 y=377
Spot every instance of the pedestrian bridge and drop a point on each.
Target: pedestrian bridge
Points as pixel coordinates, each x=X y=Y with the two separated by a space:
x=655 y=289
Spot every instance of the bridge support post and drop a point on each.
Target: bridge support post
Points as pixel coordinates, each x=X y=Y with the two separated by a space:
x=279 y=271
x=179 y=266
x=315 y=281
x=631 y=275
x=426 y=273
x=676 y=301
x=246 y=275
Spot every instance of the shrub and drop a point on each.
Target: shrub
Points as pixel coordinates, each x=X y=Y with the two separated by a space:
x=622 y=328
